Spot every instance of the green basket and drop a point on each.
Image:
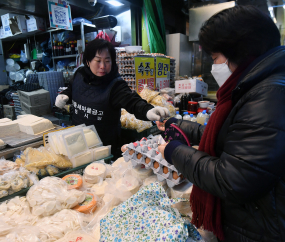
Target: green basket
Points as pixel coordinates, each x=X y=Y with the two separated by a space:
x=77 y=170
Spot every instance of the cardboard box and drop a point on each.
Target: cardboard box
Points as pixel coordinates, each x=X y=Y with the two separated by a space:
x=191 y=86
x=35 y=23
x=11 y=28
x=35 y=98
x=36 y=110
x=9 y=111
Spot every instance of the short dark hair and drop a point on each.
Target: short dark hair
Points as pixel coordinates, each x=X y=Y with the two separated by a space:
x=97 y=45
x=239 y=33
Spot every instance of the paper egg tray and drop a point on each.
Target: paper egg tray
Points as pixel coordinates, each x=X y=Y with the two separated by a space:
x=149 y=149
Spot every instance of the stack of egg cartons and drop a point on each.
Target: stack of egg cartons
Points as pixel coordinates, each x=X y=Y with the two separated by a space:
x=145 y=152
x=51 y=81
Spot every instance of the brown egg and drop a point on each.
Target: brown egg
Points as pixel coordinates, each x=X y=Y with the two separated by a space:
x=156 y=165
x=139 y=155
x=147 y=160
x=131 y=152
x=175 y=175
x=165 y=170
x=124 y=148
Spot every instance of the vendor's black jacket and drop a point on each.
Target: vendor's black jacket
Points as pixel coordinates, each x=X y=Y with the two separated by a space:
x=248 y=173
x=98 y=101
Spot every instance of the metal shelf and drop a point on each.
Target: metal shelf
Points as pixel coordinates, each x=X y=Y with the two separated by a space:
x=64 y=56
x=23 y=35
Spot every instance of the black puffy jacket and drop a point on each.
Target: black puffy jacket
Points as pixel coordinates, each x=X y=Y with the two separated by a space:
x=248 y=173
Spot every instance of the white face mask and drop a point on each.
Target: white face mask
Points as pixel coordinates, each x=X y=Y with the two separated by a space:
x=221 y=73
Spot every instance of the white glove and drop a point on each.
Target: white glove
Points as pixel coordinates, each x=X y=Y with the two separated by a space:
x=157 y=113
x=61 y=100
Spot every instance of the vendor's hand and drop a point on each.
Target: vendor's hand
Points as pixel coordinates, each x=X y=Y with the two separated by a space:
x=124 y=148
x=61 y=100
x=161 y=125
x=161 y=149
x=157 y=113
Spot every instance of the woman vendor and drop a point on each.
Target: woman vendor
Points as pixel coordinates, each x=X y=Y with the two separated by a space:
x=238 y=171
x=98 y=93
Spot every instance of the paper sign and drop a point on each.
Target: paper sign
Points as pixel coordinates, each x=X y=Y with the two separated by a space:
x=191 y=86
x=145 y=73
x=60 y=16
x=162 y=72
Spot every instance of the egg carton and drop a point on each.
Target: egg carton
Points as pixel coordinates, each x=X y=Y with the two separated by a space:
x=139 y=151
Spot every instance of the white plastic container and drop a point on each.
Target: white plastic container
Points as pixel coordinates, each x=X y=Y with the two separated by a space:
x=193 y=118
x=202 y=118
x=178 y=116
x=186 y=116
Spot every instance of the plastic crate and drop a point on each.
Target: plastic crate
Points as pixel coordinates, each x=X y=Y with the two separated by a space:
x=130 y=135
x=77 y=170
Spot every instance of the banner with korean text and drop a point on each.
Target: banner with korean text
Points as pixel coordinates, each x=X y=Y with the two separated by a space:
x=145 y=72
x=162 y=72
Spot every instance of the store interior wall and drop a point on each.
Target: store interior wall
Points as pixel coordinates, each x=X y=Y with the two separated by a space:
x=124 y=20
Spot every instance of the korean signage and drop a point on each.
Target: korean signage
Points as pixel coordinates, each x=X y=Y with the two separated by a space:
x=145 y=72
x=191 y=86
x=162 y=72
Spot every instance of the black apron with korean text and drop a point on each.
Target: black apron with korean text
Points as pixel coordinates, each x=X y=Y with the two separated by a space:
x=92 y=107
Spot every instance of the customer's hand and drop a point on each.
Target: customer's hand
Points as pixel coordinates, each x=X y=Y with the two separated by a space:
x=161 y=149
x=161 y=125
x=157 y=113
x=61 y=100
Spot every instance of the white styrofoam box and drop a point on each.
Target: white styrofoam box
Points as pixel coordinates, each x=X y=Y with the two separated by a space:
x=35 y=110
x=35 y=98
x=35 y=23
x=6 y=23
x=191 y=86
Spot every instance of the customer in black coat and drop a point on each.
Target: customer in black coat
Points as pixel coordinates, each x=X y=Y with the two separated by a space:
x=98 y=93
x=247 y=173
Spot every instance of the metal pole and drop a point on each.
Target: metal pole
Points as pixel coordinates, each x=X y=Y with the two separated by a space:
x=82 y=36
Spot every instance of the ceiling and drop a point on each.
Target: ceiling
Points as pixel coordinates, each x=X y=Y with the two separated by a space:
x=79 y=8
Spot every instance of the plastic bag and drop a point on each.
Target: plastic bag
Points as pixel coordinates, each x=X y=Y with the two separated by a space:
x=159 y=101
x=6 y=166
x=51 y=195
x=23 y=57
x=148 y=94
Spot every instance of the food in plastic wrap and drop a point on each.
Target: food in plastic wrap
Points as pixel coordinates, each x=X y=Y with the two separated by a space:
x=6 y=166
x=99 y=188
x=14 y=181
x=20 y=162
x=79 y=236
x=74 y=181
x=51 y=195
x=171 y=109
x=52 y=170
x=148 y=94
x=89 y=205
x=92 y=137
x=129 y=121
x=94 y=172
x=159 y=101
x=41 y=157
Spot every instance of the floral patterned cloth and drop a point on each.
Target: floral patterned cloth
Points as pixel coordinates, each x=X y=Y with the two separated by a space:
x=146 y=216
